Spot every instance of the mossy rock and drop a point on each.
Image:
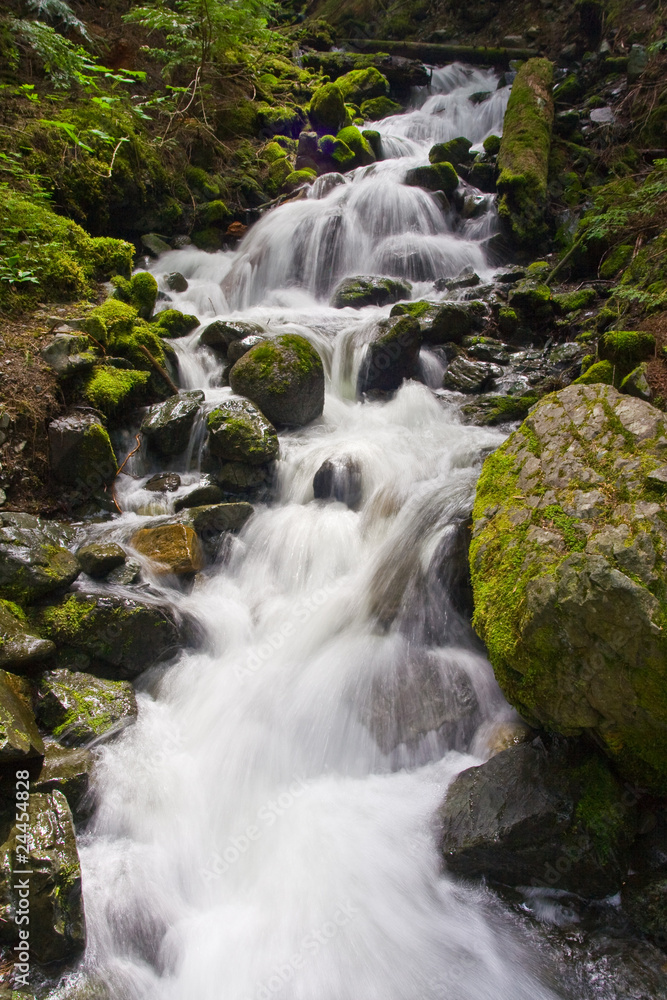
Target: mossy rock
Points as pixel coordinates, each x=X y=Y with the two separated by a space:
x=626 y=347
x=392 y=355
x=19 y=647
x=118 y=637
x=275 y=120
x=492 y=145
x=298 y=178
x=456 y=152
x=216 y=213
x=327 y=111
x=488 y=411
x=19 y=735
x=379 y=107
x=600 y=371
x=568 y=574
x=111 y=390
x=77 y=708
x=342 y=157
x=238 y=432
x=173 y=323
x=33 y=558
x=532 y=301
x=616 y=261
x=637 y=384
x=284 y=378
x=98 y=559
x=219 y=334
x=569 y=302
x=369 y=291
x=140 y=291
x=81 y=455
x=361 y=85
x=360 y=147
x=525 y=147
x=451 y=322
x=435 y=177
x=273 y=152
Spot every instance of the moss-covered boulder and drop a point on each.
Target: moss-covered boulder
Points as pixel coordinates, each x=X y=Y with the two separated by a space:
x=379 y=107
x=523 y=159
x=568 y=572
x=434 y=177
x=238 y=432
x=451 y=322
x=280 y=119
x=626 y=348
x=69 y=354
x=284 y=378
x=18 y=646
x=553 y=818
x=297 y=178
x=532 y=301
x=456 y=152
x=171 y=548
x=77 y=708
x=19 y=736
x=139 y=291
x=637 y=384
x=361 y=149
x=172 y=323
x=391 y=356
x=599 y=372
x=363 y=85
x=115 y=636
x=114 y=390
x=33 y=558
x=327 y=112
x=168 y=426
x=81 y=455
x=45 y=845
x=369 y=291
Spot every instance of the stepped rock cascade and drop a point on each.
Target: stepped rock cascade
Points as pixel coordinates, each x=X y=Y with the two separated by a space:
x=266 y=828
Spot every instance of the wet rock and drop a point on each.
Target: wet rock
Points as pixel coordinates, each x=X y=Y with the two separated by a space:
x=456 y=152
x=163 y=482
x=339 y=479
x=116 y=636
x=19 y=736
x=424 y=695
x=204 y=494
x=238 y=348
x=172 y=548
x=239 y=479
x=487 y=349
x=33 y=560
x=238 y=432
x=644 y=899
x=284 y=378
x=154 y=244
x=451 y=323
x=498 y=409
x=369 y=291
x=45 y=845
x=574 y=626
x=532 y=301
x=99 y=558
x=532 y=817
x=78 y=708
x=81 y=455
x=221 y=334
x=70 y=353
x=125 y=575
x=468 y=278
x=434 y=177
x=509 y=734
x=66 y=770
x=168 y=425
x=214 y=519
x=176 y=282
x=511 y=276
x=483 y=176
x=391 y=356
x=19 y=648
x=465 y=375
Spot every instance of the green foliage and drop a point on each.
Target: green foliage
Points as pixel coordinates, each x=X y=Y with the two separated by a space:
x=107 y=389
x=601 y=371
x=173 y=323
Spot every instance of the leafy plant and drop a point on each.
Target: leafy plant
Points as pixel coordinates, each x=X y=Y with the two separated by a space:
x=60 y=14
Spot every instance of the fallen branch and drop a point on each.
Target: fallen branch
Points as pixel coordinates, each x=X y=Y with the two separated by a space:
x=159 y=369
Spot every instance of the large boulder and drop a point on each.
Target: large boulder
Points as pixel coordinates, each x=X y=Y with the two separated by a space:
x=115 y=636
x=33 y=558
x=369 y=291
x=171 y=548
x=569 y=580
x=362 y=85
x=222 y=333
x=77 y=708
x=434 y=177
x=44 y=843
x=98 y=559
x=81 y=452
x=531 y=817
x=168 y=425
x=391 y=356
x=327 y=111
x=238 y=432
x=19 y=736
x=284 y=377
x=19 y=648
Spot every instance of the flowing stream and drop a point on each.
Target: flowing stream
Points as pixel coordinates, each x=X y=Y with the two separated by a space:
x=267 y=828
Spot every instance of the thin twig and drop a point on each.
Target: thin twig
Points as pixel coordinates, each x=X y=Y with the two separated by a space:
x=159 y=369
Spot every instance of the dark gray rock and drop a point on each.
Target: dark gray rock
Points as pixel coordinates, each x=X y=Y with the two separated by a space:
x=465 y=375
x=168 y=425
x=33 y=559
x=67 y=770
x=176 y=282
x=238 y=432
x=391 y=356
x=532 y=817
x=220 y=334
x=163 y=482
x=339 y=479
x=370 y=291
x=452 y=322
x=69 y=354
x=19 y=647
x=154 y=244
x=238 y=348
x=204 y=494
x=81 y=455
x=98 y=559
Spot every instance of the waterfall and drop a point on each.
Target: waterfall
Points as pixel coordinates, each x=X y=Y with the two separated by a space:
x=266 y=828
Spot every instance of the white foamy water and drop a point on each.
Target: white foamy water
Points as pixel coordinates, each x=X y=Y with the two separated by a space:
x=267 y=828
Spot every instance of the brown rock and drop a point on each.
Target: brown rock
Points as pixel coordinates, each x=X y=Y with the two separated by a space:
x=173 y=548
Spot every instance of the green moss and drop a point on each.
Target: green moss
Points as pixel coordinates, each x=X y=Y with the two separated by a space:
x=203 y=184
x=586 y=362
x=172 y=323
x=508 y=321
x=456 y=152
x=108 y=389
x=279 y=119
x=327 y=109
x=601 y=371
x=67 y=619
x=415 y=309
x=379 y=107
x=360 y=147
x=568 y=302
x=16 y=610
x=626 y=347
x=524 y=153
x=298 y=177
x=341 y=154
x=435 y=177
x=598 y=808
x=272 y=152
x=616 y=260
x=492 y=145
x=361 y=85
x=217 y=213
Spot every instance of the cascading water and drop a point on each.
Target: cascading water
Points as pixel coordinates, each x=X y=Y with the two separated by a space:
x=266 y=828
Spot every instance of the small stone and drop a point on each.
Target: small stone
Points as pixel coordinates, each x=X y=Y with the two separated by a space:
x=163 y=482
x=659 y=475
x=154 y=244
x=125 y=575
x=603 y=116
x=175 y=282
x=172 y=548
x=339 y=479
x=202 y=495
x=99 y=558
x=466 y=279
